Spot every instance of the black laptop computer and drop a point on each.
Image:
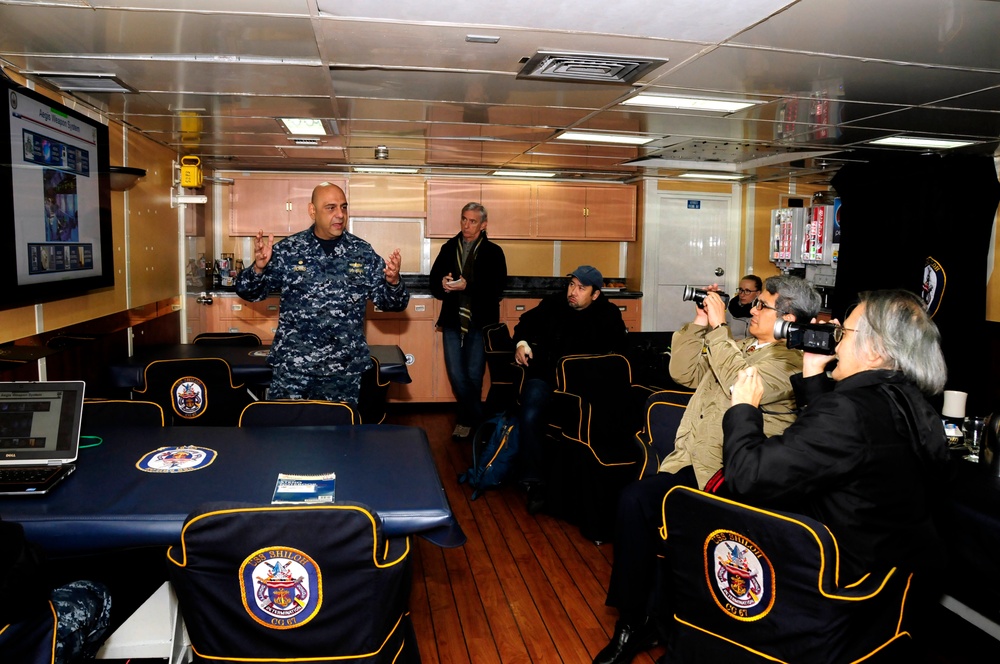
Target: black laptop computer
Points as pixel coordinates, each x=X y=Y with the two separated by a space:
x=39 y=434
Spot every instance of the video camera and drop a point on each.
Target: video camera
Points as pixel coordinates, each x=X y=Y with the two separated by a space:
x=698 y=295
x=809 y=337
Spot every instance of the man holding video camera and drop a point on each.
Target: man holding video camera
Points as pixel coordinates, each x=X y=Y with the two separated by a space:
x=705 y=356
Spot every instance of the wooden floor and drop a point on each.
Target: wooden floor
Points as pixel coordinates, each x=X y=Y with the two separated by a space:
x=531 y=589
x=523 y=588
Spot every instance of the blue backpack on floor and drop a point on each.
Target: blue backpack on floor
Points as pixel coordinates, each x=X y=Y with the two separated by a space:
x=494 y=448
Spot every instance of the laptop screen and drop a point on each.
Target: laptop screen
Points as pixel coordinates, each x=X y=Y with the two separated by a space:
x=40 y=421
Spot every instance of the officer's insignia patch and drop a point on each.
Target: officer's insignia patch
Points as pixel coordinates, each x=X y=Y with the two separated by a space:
x=282 y=588
x=739 y=575
x=190 y=397
x=355 y=268
x=176 y=459
x=932 y=288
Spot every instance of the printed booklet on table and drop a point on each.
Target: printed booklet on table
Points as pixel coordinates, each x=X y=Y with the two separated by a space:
x=299 y=489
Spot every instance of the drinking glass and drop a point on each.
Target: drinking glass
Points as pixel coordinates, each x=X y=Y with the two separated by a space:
x=974 y=428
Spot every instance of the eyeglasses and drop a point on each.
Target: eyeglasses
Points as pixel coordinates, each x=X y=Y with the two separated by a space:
x=761 y=304
x=746 y=291
x=838 y=332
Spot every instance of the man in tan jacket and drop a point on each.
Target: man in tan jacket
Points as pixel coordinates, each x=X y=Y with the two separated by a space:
x=702 y=355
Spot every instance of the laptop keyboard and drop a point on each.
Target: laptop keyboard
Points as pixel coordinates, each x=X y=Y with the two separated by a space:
x=27 y=475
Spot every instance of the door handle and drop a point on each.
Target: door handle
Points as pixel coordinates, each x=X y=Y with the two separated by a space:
x=719 y=272
x=204 y=299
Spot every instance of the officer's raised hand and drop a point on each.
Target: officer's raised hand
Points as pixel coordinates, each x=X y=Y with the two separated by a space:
x=261 y=251
x=392 y=268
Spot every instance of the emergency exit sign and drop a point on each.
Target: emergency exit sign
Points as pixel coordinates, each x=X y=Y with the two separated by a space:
x=694 y=205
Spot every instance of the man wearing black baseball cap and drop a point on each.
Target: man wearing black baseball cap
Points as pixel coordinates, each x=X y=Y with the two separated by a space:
x=579 y=322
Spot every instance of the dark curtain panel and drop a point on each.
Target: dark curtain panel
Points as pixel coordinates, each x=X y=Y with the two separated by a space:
x=897 y=211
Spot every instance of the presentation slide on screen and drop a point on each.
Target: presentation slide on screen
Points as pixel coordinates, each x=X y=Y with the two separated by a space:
x=29 y=421
x=56 y=193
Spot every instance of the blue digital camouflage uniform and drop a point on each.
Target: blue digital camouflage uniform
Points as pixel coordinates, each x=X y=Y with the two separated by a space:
x=320 y=350
x=84 y=611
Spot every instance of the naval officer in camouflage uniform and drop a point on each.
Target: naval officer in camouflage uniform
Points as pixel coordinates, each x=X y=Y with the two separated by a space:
x=325 y=276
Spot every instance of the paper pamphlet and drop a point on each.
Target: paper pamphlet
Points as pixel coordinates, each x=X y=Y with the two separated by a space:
x=299 y=489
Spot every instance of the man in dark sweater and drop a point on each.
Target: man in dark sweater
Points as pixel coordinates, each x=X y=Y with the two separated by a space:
x=579 y=322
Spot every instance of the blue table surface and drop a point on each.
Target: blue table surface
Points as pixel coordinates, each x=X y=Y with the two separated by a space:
x=110 y=503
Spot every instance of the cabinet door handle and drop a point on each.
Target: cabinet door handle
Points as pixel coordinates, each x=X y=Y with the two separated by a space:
x=519 y=307
x=420 y=307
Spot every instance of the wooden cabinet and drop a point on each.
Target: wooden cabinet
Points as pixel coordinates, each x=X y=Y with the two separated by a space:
x=278 y=205
x=631 y=312
x=233 y=314
x=529 y=210
x=571 y=212
x=509 y=206
x=413 y=331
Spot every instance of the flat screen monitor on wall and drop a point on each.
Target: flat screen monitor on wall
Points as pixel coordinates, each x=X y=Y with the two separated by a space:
x=55 y=201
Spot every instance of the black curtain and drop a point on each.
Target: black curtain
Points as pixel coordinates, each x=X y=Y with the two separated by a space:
x=898 y=210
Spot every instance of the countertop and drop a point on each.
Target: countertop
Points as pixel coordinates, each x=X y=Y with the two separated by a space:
x=516 y=287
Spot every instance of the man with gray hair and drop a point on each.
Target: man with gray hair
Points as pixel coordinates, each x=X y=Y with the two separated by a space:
x=704 y=356
x=867 y=451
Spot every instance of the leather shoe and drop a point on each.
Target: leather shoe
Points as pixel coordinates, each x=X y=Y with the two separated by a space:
x=627 y=642
x=536 y=497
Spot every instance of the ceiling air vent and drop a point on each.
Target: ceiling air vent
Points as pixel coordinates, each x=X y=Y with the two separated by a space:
x=305 y=141
x=587 y=67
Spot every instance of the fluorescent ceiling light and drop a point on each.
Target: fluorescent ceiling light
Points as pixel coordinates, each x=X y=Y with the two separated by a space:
x=713 y=176
x=303 y=126
x=524 y=174
x=690 y=103
x=385 y=169
x=594 y=137
x=915 y=142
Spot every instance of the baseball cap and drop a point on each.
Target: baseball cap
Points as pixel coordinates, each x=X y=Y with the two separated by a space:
x=588 y=276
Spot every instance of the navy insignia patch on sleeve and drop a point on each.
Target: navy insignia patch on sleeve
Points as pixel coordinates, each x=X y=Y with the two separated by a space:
x=739 y=575
x=282 y=587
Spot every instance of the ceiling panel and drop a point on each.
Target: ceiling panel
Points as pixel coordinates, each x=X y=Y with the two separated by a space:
x=666 y=19
x=211 y=77
x=956 y=33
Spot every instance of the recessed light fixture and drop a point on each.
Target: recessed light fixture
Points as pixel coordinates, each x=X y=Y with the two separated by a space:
x=524 y=174
x=303 y=126
x=916 y=142
x=385 y=169
x=595 y=137
x=691 y=103
x=712 y=176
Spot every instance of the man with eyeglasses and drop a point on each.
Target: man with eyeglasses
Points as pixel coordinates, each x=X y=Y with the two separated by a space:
x=705 y=356
x=738 y=310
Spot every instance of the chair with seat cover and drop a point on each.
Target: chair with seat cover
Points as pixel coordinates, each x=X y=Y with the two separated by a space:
x=297 y=412
x=227 y=339
x=505 y=376
x=98 y=413
x=194 y=391
x=752 y=585
x=373 y=394
x=30 y=640
x=663 y=413
x=293 y=583
x=589 y=446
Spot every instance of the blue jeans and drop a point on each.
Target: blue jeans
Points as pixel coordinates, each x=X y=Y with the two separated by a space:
x=465 y=360
x=535 y=396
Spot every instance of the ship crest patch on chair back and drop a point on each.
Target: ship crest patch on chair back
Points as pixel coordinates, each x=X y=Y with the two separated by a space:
x=292 y=583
